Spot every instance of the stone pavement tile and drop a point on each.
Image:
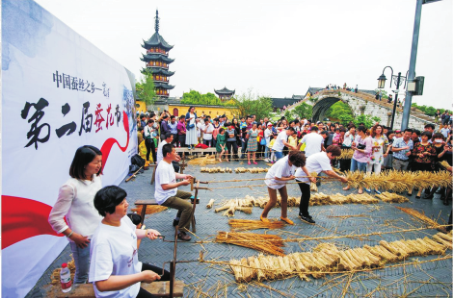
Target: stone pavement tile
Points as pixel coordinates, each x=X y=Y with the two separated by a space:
x=380 y=217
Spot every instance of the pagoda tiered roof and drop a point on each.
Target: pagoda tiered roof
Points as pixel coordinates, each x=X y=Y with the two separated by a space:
x=156 y=57
x=163 y=85
x=156 y=41
x=158 y=70
x=224 y=91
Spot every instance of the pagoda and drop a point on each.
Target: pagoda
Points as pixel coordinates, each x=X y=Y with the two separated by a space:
x=225 y=93
x=157 y=61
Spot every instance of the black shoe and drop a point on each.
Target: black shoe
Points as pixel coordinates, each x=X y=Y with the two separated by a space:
x=417 y=197
x=429 y=197
x=175 y=222
x=183 y=236
x=307 y=219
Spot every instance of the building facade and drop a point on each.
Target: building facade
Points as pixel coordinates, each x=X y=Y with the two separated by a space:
x=158 y=62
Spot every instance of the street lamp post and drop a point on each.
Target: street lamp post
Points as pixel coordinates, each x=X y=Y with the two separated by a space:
x=398 y=80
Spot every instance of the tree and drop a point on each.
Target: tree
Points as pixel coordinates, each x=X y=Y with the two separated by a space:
x=338 y=110
x=145 y=88
x=251 y=104
x=383 y=93
x=195 y=97
x=304 y=110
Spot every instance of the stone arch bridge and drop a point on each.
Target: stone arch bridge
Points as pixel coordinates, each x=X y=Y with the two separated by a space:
x=365 y=103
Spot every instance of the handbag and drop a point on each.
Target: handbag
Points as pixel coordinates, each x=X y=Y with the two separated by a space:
x=361 y=146
x=190 y=126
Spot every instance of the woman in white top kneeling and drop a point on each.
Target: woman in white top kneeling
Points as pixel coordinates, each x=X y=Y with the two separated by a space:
x=115 y=269
x=277 y=177
x=75 y=202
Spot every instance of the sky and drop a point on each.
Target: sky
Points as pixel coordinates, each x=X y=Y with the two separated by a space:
x=274 y=48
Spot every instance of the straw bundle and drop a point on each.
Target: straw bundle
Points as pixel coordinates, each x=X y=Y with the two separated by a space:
x=203 y=161
x=389 y=197
x=313 y=186
x=445 y=164
x=215 y=170
x=326 y=257
x=55 y=276
x=398 y=181
x=247 y=224
x=231 y=206
x=270 y=244
x=210 y=204
x=250 y=170
x=419 y=215
x=346 y=154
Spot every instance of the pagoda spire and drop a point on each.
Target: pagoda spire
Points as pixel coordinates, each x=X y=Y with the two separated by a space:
x=156 y=26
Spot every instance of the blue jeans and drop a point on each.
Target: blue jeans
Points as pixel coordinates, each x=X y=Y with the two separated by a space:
x=279 y=155
x=266 y=151
x=358 y=166
x=82 y=262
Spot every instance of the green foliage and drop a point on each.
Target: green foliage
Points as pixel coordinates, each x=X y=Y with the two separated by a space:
x=338 y=110
x=289 y=115
x=383 y=93
x=367 y=119
x=428 y=110
x=304 y=110
x=196 y=98
x=145 y=88
x=251 y=104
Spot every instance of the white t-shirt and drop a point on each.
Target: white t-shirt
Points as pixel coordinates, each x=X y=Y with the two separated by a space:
x=317 y=162
x=114 y=252
x=160 y=154
x=165 y=174
x=280 y=169
x=313 y=143
x=192 y=121
x=278 y=145
x=267 y=135
x=208 y=134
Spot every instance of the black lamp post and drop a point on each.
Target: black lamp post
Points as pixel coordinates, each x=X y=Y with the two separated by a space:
x=398 y=80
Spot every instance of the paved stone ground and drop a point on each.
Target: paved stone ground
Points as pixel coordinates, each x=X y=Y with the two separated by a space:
x=431 y=279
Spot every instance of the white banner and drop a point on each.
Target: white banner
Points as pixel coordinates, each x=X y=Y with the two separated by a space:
x=59 y=92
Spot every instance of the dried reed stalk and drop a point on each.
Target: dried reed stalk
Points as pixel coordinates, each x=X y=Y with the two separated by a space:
x=346 y=154
x=246 y=224
x=389 y=197
x=215 y=170
x=313 y=186
x=419 y=215
x=398 y=181
x=210 y=204
x=250 y=170
x=203 y=161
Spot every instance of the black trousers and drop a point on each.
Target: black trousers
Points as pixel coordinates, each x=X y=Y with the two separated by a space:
x=232 y=145
x=150 y=148
x=165 y=277
x=182 y=140
x=304 y=199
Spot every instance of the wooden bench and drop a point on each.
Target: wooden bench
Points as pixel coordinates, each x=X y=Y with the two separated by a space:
x=152 y=202
x=145 y=204
x=87 y=291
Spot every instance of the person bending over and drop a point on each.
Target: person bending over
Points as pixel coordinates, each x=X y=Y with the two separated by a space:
x=167 y=193
x=115 y=270
x=277 y=177
x=318 y=162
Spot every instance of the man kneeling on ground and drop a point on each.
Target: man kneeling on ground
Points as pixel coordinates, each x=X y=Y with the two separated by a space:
x=167 y=193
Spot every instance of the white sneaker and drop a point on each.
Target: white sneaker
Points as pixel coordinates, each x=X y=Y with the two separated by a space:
x=266 y=160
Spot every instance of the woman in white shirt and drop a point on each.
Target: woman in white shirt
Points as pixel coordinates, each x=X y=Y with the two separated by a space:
x=115 y=270
x=277 y=177
x=191 y=132
x=75 y=202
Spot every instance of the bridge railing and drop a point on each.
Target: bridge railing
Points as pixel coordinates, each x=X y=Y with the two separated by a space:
x=368 y=97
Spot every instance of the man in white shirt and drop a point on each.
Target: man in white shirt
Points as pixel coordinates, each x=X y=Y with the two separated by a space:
x=149 y=132
x=314 y=142
x=282 y=141
x=167 y=193
x=207 y=129
x=317 y=162
x=168 y=140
